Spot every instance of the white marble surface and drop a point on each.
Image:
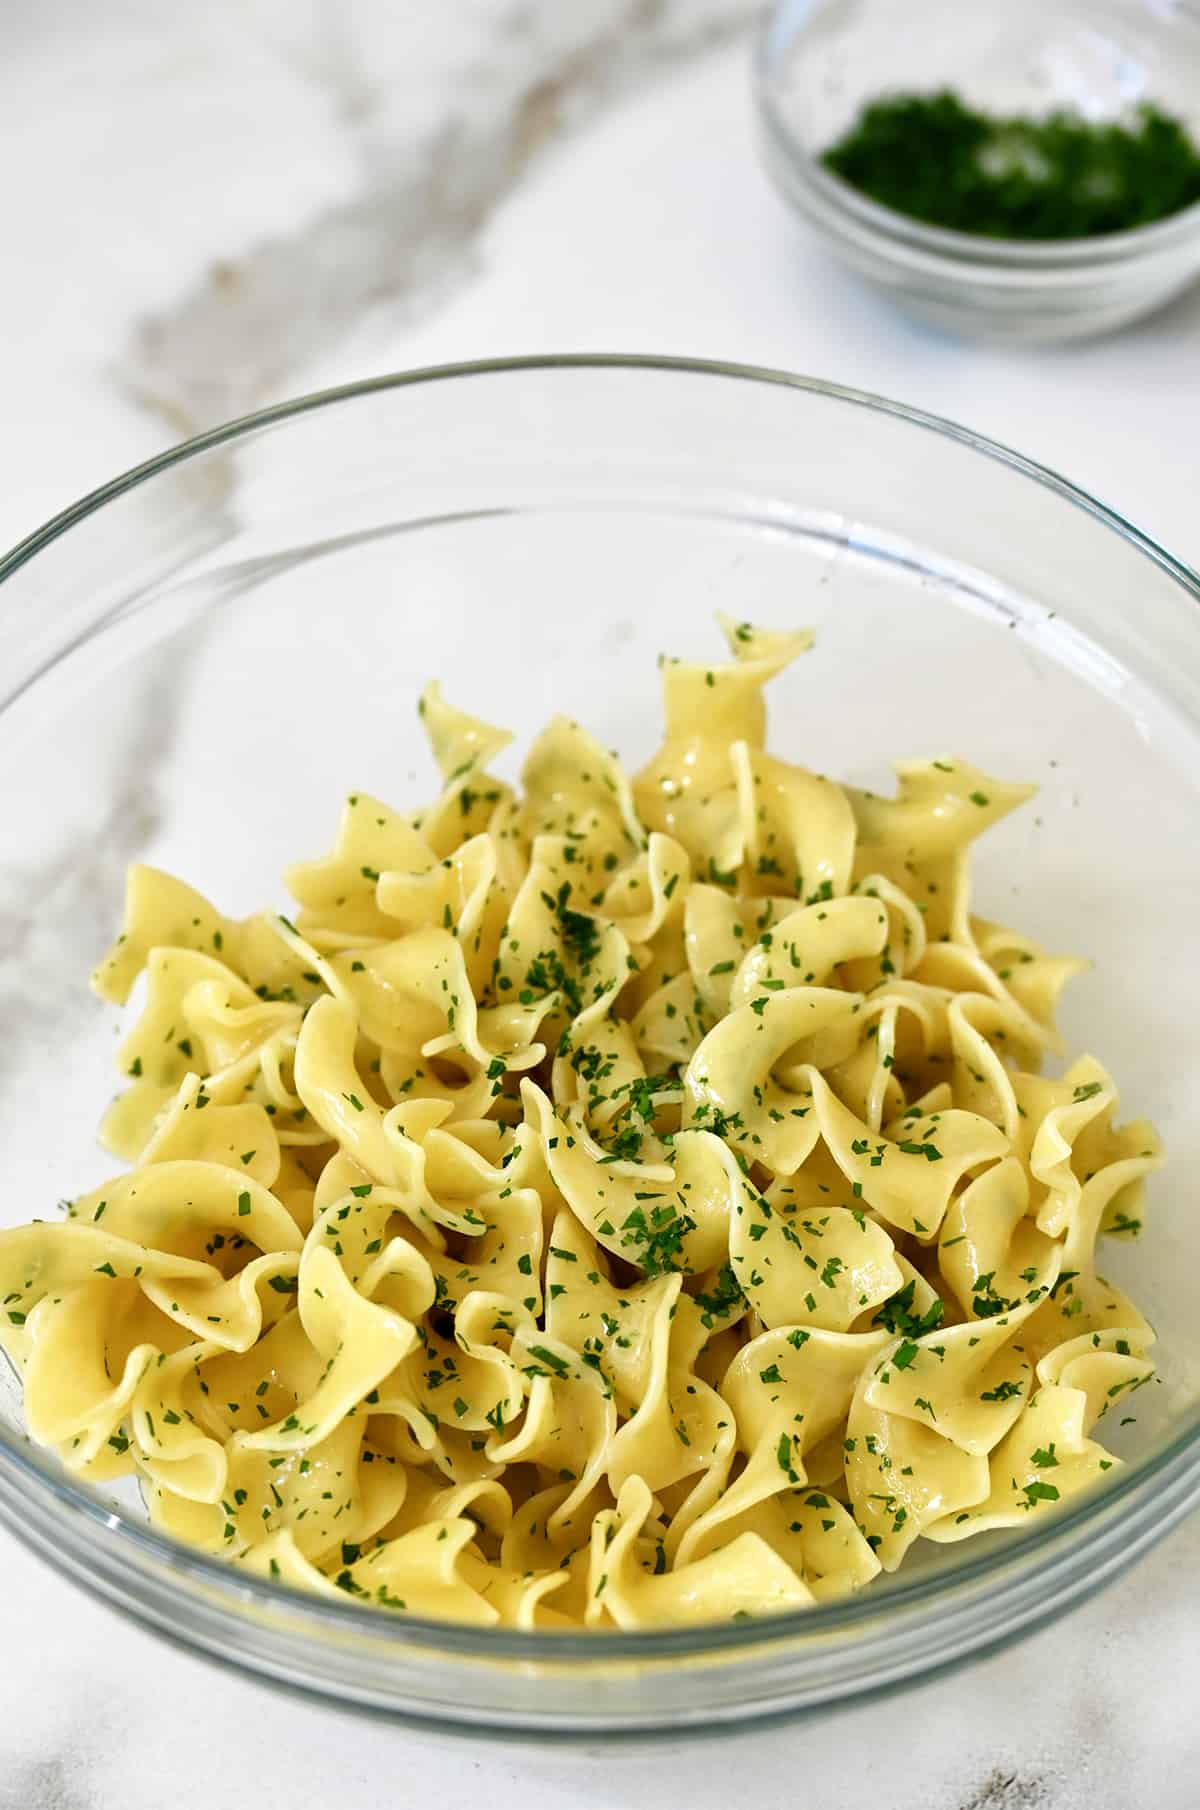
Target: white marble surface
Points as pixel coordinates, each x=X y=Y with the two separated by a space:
x=215 y=207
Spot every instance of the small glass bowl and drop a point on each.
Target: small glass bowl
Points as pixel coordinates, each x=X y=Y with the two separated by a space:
x=820 y=61
x=198 y=661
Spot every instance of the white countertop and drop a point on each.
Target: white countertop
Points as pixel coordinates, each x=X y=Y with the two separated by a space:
x=212 y=209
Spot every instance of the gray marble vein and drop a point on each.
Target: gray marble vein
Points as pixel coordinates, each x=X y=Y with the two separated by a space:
x=513 y=78
x=55 y=1781
x=1003 y=1790
x=58 y=913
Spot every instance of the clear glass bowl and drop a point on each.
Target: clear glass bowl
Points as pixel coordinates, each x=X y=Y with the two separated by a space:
x=200 y=660
x=820 y=61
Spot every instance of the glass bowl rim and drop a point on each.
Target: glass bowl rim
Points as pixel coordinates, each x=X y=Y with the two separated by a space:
x=1176 y=1461
x=960 y=253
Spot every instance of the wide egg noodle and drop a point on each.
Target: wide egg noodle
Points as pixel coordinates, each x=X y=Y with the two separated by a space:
x=611 y=1203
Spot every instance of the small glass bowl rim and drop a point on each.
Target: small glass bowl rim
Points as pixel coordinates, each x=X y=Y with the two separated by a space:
x=957 y=254
x=1175 y=1462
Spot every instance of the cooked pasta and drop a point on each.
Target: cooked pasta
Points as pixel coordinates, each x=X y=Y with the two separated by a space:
x=616 y=1204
